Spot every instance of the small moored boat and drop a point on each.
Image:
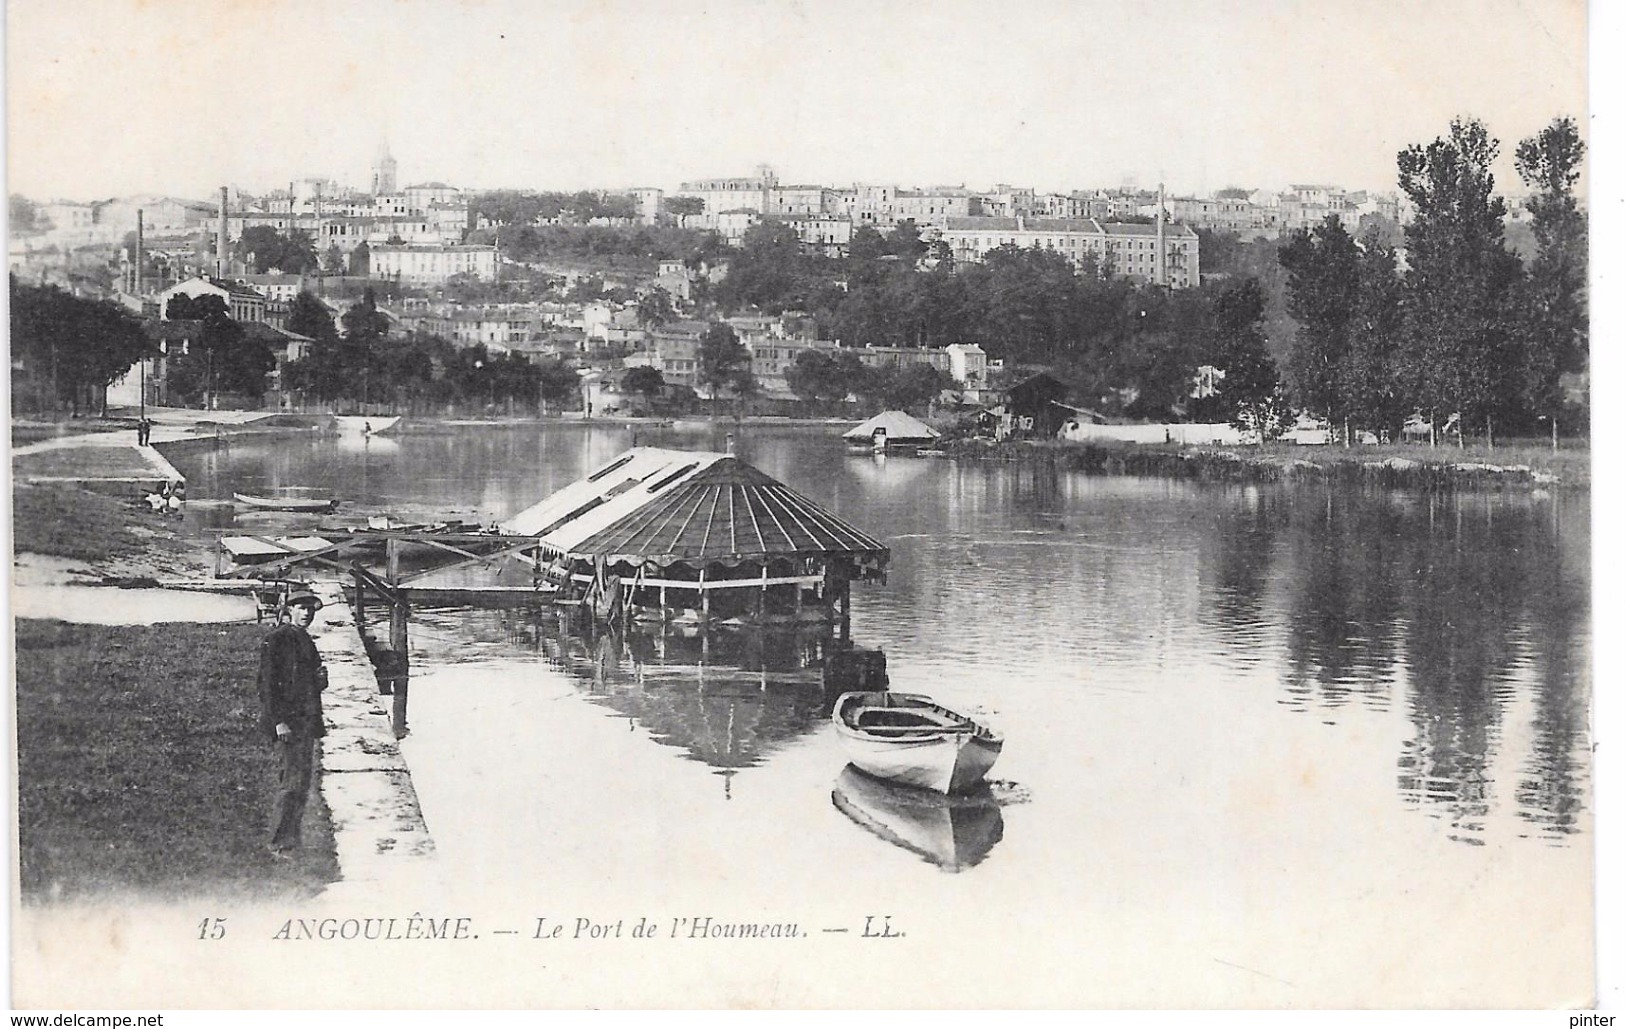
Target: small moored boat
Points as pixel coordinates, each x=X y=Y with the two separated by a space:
x=911 y=739
x=291 y=499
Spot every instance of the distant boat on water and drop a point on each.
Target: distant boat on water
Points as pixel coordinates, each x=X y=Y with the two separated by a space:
x=289 y=498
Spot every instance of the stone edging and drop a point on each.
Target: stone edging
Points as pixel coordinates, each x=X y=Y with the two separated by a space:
x=378 y=826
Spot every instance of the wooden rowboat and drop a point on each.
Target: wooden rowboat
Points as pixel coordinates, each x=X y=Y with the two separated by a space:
x=290 y=501
x=911 y=739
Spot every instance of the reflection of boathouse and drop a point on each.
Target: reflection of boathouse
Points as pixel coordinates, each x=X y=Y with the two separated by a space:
x=729 y=697
x=696 y=535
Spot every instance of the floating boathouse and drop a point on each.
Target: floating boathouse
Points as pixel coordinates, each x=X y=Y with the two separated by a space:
x=691 y=535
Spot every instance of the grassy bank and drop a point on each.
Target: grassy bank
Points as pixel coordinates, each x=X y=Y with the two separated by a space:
x=24 y=431
x=140 y=771
x=1518 y=465
x=112 y=535
x=65 y=521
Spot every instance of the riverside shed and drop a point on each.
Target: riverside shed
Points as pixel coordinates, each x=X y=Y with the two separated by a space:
x=674 y=534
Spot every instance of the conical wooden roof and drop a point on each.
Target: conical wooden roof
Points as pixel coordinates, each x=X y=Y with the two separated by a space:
x=727 y=510
x=899 y=425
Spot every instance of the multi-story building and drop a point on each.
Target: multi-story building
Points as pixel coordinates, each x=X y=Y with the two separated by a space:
x=159 y=215
x=647 y=200
x=796 y=200
x=1005 y=201
x=882 y=207
x=500 y=327
x=275 y=288
x=967 y=363
x=347 y=233
x=1135 y=251
x=898 y=357
x=67 y=216
x=723 y=195
x=1055 y=205
x=391 y=205
x=450 y=221
x=432 y=265
x=929 y=208
x=732 y=225
x=421 y=196
x=1229 y=214
x=827 y=233
x=243 y=303
x=673 y=349
x=771 y=358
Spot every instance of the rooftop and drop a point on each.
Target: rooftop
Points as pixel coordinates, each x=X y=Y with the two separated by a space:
x=651 y=504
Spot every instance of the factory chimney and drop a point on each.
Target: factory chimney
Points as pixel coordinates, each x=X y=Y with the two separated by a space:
x=221 y=264
x=1162 y=237
x=140 y=241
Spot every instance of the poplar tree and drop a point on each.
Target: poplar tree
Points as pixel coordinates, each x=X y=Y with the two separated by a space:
x=1370 y=370
x=1251 y=387
x=1323 y=295
x=1557 y=331
x=1460 y=328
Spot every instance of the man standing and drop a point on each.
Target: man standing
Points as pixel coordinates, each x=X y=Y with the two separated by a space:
x=291 y=682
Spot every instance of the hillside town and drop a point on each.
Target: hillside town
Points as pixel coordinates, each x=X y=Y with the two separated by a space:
x=786 y=299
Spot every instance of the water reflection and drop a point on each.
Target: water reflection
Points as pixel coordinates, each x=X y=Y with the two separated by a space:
x=952 y=832
x=1462 y=599
x=725 y=697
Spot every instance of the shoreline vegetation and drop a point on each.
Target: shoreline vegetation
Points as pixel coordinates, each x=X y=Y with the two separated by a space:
x=1405 y=466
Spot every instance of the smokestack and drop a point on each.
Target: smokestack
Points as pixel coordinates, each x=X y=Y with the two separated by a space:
x=220 y=261
x=140 y=240
x=1162 y=240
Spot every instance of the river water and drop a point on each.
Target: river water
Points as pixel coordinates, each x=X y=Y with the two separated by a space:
x=1275 y=744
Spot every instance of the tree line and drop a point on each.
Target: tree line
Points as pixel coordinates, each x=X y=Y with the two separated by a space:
x=354 y=363
x=525 y=207
x=1466 y=331
x=635 y=247
x=1130 y=348
x=70 y=349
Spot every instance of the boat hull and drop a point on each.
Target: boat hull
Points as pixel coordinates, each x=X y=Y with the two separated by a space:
x=285 y=503
x=951 y=757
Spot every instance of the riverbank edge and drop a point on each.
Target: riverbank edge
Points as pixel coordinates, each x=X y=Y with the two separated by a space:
x=379 y=830
x=1429 y=472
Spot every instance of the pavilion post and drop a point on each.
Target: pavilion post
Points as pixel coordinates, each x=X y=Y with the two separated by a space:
x=402 y=670
x=846 y=610
x=360 y=603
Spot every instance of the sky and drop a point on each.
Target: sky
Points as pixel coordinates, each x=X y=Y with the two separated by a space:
x=117 y=97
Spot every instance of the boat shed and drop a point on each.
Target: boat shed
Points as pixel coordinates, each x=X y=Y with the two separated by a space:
x=675 y=534
x=895 y=427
